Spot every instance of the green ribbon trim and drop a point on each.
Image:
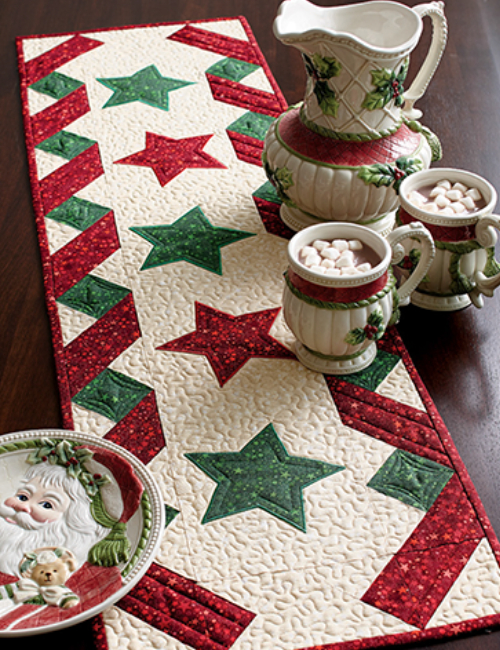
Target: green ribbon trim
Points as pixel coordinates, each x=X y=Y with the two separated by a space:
x=320 y=304
x=351 y=137
x=147 y=514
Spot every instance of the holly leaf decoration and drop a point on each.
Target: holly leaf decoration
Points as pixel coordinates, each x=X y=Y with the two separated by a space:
x=284 y=177
x=281 y=178
x=378 y=174
x=381 y=174
x=326 y=67
x=320 y=69
x=326 y=98
x=355 y=336
x=389 y=85
x=373 y=330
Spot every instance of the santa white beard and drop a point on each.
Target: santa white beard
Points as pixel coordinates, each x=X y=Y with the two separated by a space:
x=28 y=535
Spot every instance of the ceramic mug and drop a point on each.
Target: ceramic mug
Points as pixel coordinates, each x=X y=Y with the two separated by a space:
x=337 y=320
x=464 y=267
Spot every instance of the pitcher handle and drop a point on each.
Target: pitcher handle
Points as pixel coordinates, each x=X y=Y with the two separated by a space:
x=486 y=235
x=435 y=10
x=418 y=231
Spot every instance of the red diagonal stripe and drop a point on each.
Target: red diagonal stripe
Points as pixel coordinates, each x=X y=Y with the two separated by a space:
x=167 y=625
x=231 y=92
x=337 y=385
x=84 y=253
x=95 y=348
x=398 y=424
x=57 y=116
x=415 y=584
x=140 y=431
x=42 y=65
x=232 y=612
x=186 y=611
x=179 y=607
x=395 y=440
x=225 y=45
x=246 y=148
x=416 y=580
x=270 y=215
x=69 y=179
x=450 y=520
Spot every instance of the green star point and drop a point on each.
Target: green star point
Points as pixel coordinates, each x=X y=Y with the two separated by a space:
x=262 y=475
x=192 y=238
x=147 y=86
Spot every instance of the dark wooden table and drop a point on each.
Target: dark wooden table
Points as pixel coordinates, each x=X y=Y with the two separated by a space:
x=457 y=355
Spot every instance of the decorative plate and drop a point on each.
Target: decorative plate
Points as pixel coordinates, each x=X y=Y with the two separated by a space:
x=80 y=523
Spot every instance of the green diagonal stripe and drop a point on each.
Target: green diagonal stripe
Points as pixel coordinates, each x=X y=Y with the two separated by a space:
x=371 y=377
x=412 y=479
x=56 y=85
x=267 y=192
x=93 y=296
x=232 y=69
x=65 y=144
x=254 y=125
x=78 y=213
x=112 y=394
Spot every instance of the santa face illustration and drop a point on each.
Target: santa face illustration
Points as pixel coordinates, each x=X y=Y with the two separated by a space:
x=49 y=508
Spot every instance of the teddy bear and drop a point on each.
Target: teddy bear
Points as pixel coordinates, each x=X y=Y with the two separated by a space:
x=43 y=576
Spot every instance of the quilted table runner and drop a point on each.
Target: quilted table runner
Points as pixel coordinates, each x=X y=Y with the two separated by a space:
x=302 y=510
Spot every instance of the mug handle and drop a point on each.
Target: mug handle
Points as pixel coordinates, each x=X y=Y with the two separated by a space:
x=435 y=10
x=414 y=230
x=486 y=235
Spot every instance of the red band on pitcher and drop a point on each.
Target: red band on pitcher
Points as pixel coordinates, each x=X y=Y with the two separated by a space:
x=442 y=233
x=337 y=294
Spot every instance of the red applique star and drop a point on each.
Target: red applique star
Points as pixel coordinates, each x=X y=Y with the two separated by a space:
x=230 y=341
x=169 y=157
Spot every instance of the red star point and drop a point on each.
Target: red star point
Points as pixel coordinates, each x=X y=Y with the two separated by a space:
x=169 y=157
x=230 y=341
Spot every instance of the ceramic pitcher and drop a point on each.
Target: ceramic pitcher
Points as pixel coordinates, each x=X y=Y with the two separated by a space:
x=341 y=155
x=337 y=320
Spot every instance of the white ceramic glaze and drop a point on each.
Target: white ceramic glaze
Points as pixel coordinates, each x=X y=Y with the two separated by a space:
x=327 y=192
x=324 y=328
x=362 y=38
x=341 y=154
x=464 y=268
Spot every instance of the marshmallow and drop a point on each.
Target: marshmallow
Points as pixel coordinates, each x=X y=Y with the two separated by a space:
x=460 y=187
x=319 y=244
x=330 y=253
x=340 y=244
x=328 y=264
x=442 y=201
x=317 y=269
x=436 y=191
x=365 y=267
x=457 y=207
x=333 y=272
x=355 y=245
x=454 y=195
x=312 y=260
x=474 y=193
x=350 y=270
x=468 y=201
x=444 y=183
x=344 y=262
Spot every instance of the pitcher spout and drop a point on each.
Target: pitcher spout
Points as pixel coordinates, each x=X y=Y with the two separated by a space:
x=378 y=27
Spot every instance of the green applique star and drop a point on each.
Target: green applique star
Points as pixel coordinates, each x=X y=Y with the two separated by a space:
x=146 y=86
x=261 y=475
x=192 y=238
